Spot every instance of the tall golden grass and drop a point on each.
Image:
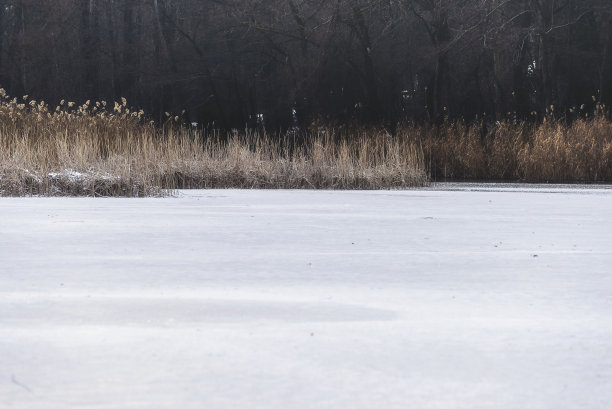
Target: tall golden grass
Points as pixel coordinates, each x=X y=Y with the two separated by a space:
x=554 y=150
x=101 y=150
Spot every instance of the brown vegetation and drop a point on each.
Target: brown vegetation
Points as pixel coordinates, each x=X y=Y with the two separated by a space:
x=109 y=151
x=101 y=150
x=550 y=151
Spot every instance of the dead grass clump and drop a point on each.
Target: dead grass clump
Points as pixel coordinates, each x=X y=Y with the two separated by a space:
x=100 y=150
x=576 y=152
x=97 y=149
x=551 y=151
x=503 y=144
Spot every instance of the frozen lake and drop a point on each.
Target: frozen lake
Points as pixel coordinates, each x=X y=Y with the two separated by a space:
x=452 y=297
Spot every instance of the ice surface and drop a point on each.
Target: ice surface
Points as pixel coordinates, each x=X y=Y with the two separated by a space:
x=458 y=296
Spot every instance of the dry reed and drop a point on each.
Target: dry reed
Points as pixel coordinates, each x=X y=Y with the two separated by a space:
x=101 y=150
x=97 y=150
x=551 y=151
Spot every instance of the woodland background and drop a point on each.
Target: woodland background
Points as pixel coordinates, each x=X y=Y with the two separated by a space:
x=287 y=63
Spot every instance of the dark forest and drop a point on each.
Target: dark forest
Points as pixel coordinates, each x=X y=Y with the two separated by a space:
x=282 y=63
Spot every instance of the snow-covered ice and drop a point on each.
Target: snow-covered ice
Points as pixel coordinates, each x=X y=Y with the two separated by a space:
x=457 y=296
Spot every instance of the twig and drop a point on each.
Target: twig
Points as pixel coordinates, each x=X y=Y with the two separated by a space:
x=16 y=382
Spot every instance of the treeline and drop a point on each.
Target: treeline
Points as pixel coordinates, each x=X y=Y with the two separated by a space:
x=286 y=63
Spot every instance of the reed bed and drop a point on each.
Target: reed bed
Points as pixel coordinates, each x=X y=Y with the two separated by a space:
x=553 y=150
x=100 y=150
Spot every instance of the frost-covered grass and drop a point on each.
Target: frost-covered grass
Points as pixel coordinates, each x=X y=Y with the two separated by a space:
x=443 y=298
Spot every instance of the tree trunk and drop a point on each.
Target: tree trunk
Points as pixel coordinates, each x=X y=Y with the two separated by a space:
x=369 y=74
x=129 y=50
x=89 y=47
x=24 y=76
x=606 y=36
